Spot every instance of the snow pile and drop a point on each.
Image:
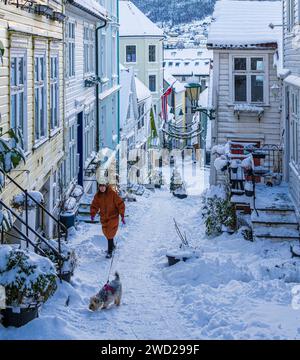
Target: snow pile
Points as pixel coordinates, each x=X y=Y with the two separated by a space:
x=221 y=163
x=77 y=192
x=248 y=108
x=18 y=201
x=70 y=204
x=245 y=23
x=27 y=277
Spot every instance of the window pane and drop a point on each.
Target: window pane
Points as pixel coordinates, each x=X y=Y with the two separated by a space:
x=42 y=68
x=36 y=69
x=152 y=57
x=240 y=86
x=240 y=64
x=257 y=88
x=130 y=53
x=20 y=120
x=257 y=64
x=152 y=83
x=13 y=111
x=21 y=71
x=13 y=70
x=36 y=112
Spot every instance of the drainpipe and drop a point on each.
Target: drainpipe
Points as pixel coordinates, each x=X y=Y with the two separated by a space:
x=118 y=70
x=98 y=86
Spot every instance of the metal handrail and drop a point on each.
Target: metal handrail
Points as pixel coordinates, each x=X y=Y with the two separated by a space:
x=59 y=223
x=42 y=239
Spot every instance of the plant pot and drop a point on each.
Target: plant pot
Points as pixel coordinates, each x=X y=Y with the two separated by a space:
x=249 y=193
x=180 y=196
x=68 y=219
x=172 y=260
x=21 y=318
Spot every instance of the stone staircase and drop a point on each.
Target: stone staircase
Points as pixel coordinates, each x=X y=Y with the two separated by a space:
x=274 y=216
x=83 y=214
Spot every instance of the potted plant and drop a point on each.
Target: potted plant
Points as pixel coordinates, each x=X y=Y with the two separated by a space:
x=29 y=280
x=68 y=215
x=69 y=255
x=184 y=252
x=18 y=201
x=249 y=189
x=234 y=166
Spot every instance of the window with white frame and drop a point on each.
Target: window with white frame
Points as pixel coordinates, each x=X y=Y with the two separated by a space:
x=70 y=38
x=131 y=53
x=141 y=116
x=40 y=96
x=72 y=155
x=89 y=133
x=295 y=127
x=18 y=86
x=103 y=57
x=54 y=91
x=249 y=79
x=152 y=53
x=89 y=49
x=290 y=14
x=152 y=83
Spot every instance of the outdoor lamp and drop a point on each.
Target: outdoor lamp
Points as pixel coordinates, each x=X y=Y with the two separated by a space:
x=193 y=91
x=275 y=88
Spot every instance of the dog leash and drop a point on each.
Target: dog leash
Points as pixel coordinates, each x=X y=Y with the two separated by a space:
x=111 y=263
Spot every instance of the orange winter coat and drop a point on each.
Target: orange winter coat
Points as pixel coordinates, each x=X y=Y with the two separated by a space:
x=110 y=206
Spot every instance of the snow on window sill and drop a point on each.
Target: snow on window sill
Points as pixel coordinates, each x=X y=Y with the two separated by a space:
x=39 y=143
x=55 y=131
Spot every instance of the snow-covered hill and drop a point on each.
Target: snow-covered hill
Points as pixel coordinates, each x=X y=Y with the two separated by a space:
x=176 y=11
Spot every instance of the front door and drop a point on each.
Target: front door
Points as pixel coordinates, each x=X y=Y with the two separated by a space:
x=287 y=135
x=80 y=148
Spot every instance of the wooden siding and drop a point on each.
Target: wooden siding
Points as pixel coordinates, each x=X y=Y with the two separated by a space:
x=267 y=129
x=44 y=159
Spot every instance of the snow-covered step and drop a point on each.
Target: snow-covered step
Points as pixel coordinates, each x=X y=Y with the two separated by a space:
x=281 y=233
x=257 y=224
x=274 y=217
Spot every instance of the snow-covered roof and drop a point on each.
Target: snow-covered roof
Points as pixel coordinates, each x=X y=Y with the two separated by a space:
x=245 y=23
x=133 y=22
x=176 y=84
x=141 y=90
x=92 y=5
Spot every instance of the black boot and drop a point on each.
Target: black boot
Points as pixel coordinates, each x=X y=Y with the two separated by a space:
x=111 y=247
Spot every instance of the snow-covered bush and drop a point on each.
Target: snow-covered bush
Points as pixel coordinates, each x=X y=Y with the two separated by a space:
x=27 y=277
x=67 y=252
x=176 y=180
x=18 y=201
x=217 y=210
x=6 y=220
x=11 y=151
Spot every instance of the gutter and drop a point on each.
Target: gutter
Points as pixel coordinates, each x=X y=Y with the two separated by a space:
x=87 y=10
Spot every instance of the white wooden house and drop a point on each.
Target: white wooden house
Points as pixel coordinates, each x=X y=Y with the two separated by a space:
x=246 y=56
x=291 y=103
x=246 y=39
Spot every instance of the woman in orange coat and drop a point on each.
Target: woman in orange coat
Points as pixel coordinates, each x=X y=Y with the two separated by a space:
x=110 y=206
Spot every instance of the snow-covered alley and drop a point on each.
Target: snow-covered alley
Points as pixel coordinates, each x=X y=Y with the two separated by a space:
x=234 y=289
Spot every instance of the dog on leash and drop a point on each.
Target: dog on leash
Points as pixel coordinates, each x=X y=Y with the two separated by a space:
x=110 y=293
